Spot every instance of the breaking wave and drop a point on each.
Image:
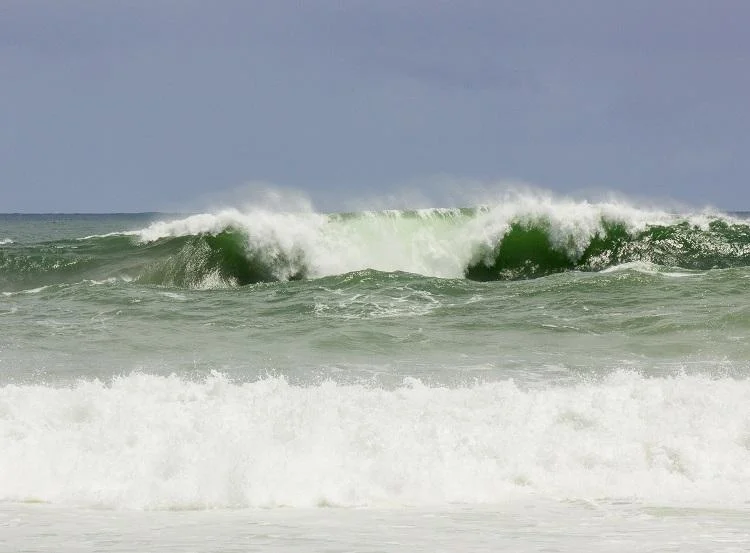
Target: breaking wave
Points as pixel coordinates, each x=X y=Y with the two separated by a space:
x=523 y=237
x=151 y=442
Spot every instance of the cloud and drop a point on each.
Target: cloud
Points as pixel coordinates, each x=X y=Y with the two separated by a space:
x=170 y=99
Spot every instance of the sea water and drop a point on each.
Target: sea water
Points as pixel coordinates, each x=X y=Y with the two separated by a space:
x=535 y=374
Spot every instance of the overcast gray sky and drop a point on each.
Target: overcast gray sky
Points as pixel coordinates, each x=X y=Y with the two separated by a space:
x=150 y=105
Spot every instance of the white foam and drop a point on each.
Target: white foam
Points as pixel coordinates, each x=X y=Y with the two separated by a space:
x=646 y=267
x=33 y=290
x=401 y=302
x=6 y=241
x=110 y=235
x=174 y=296
x=164 y=442
x=110 y=280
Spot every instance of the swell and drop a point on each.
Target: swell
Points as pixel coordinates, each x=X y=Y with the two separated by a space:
x=203 y=260
x=514 y=240
x=54 y=262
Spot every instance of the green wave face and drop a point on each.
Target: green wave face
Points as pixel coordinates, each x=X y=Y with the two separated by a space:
x=524 y=252
x=527 y=251
x=223 y=259
x=235 y=249
x=48 y=263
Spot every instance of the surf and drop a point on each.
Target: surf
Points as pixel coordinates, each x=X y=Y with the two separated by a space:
x=151 y=442
x=524 y=236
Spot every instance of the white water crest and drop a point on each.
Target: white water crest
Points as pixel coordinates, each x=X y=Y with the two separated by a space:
x=648 y=268
x=431 y=242
x=149 y=442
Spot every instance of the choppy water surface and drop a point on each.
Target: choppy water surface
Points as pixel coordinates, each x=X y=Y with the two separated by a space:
x=539 y=373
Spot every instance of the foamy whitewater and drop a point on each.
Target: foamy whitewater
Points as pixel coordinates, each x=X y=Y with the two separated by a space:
x=534 y=373
x=150 y=442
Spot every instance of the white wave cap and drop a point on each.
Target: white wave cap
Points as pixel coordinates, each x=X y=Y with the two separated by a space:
x=430 y=242
x=149 y=442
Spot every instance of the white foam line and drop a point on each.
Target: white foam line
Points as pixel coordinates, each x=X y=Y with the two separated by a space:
x=164 y=442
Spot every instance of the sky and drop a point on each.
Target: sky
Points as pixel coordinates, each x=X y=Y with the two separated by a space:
x=163 y=104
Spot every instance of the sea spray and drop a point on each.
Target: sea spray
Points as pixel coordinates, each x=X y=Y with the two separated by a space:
x=526 y=235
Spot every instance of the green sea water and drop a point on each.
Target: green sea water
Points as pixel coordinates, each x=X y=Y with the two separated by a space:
x=97 y=295
x=526 y=355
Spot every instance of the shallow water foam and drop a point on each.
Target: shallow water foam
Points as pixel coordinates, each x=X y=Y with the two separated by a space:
x=165 y=442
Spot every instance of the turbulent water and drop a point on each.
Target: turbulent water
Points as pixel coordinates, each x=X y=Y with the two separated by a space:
x=537 y=372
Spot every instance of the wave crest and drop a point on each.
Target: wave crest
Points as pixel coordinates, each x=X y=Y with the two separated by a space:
x=522 y=237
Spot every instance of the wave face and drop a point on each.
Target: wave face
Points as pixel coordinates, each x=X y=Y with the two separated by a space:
x=523 y=237
x=165 y=442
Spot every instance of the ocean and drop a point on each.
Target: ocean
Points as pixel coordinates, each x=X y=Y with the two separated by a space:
x=535 y=374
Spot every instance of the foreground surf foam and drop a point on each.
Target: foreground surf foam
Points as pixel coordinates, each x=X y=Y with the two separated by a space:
x=150 y=442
